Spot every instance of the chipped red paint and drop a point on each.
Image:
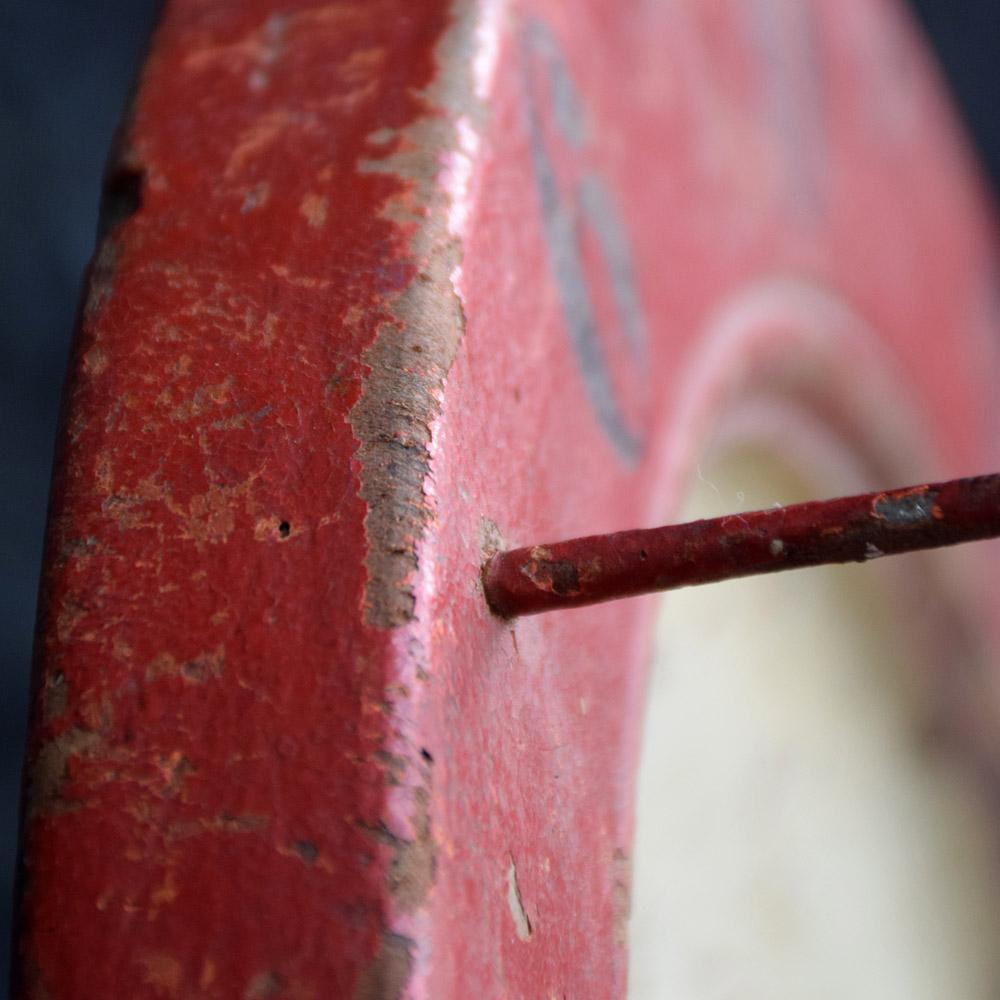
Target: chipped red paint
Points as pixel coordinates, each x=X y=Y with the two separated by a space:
x=335 y=346
x=598 y=568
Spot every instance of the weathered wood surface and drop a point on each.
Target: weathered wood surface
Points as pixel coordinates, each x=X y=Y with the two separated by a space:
x=385 y=284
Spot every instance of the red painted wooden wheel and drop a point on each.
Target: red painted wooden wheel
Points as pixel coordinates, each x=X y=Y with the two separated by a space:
x=385 y=286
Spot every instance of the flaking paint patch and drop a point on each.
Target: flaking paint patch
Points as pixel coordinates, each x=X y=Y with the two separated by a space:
x=386 y=976
x=416 y=344
x=162 y=972
x=313 y=210
x=414 y=861
x=911 y=507
x=55 y=695
x=522 y=923
x=556 y=576
x=49 y=770
x=196 y=670
x=411 y=873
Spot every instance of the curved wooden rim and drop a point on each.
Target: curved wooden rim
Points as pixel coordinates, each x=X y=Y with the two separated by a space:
x=369 y=306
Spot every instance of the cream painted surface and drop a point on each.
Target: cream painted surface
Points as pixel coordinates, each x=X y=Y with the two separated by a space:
x=796 y=835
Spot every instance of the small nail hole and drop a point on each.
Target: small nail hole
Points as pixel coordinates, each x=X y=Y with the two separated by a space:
x=643 y=554
x=284 y=529
x=426 y=754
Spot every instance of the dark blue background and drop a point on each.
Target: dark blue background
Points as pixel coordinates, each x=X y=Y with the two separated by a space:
x=67 y=65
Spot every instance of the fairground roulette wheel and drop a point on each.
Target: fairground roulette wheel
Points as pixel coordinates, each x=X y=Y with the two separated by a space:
x=385 y=288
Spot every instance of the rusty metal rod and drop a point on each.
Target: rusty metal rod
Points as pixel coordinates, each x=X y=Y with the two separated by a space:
x=597 y=568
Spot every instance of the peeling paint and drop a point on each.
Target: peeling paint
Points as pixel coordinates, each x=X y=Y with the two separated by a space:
x=56 y=695
x=313 y=209
x=162 y=972
x=557 y=576
x=414 y=860
x=905 y=509
x=411 y=873
x=401 y=398
x=522 y=923
x=195 y=670
x=49 y=771
x=386 y=976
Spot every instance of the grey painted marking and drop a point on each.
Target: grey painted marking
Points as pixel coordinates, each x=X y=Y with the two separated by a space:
x=567 y=112
x=560 y=217
x=600 y=212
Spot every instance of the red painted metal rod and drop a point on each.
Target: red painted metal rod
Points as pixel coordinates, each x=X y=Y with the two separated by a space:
x=598 y=568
